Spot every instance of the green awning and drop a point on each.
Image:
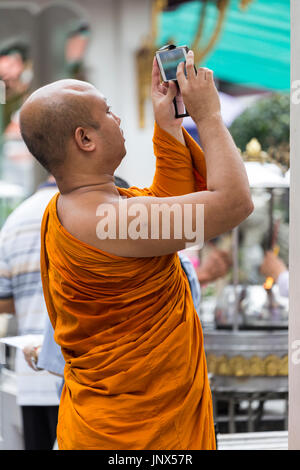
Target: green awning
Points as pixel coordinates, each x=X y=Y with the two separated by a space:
x=253 y=48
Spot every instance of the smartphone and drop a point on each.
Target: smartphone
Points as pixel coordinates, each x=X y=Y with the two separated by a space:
x=168 y=61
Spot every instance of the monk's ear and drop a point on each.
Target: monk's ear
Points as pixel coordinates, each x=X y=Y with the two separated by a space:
x=84 y=139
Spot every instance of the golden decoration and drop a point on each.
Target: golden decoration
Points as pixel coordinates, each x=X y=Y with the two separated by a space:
x=238 y=365
x=222 y=6
x=223 y=366
x=253 y=148
x=272 y=366
x=212 y=363
x=284 y=366
x=279 y=155
x=144 y=56
x=254 y=153
x=255 y=366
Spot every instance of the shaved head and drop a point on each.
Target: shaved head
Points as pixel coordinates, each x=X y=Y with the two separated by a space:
x=50 y=116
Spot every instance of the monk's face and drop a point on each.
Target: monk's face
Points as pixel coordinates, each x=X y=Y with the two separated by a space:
x=80 y=113
x=110 y=141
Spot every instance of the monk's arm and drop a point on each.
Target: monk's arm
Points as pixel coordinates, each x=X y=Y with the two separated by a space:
x=227 y=202
x=175 y=169
x=174 y=149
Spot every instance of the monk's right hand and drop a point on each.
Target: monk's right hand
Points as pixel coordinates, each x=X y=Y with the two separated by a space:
x=198 y=90
x=163 y=94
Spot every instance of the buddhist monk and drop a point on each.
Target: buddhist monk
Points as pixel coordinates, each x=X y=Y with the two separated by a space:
x=120 y=305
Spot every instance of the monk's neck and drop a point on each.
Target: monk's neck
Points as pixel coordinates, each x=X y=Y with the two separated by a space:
x=79 y=184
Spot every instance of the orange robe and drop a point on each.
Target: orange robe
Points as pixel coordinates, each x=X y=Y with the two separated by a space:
x=135 y=373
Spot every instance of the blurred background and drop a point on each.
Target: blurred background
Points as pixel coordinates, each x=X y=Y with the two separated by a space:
x=111 y=43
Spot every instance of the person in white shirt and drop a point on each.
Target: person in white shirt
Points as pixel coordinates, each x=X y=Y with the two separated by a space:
x=21 y=293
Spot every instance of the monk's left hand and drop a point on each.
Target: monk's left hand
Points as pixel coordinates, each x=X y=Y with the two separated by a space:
x=163 y=94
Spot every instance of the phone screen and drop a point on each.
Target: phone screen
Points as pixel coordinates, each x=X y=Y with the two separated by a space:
x=170 y=60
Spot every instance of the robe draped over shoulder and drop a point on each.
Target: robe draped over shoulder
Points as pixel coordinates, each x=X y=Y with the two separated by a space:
x=135 y=372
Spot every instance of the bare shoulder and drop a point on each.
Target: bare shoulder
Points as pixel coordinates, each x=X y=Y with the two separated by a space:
x=78 y=216
x=120 y=226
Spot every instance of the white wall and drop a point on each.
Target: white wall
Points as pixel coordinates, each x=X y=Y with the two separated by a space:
x=118 y=27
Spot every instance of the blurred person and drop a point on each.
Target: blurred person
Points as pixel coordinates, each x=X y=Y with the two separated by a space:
x=122 y=312
x=215 y=266
x=273 y=266
x=16 y=72
x=75 y=50
x=21 y=293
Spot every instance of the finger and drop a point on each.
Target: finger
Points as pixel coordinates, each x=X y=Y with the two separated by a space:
x=201 y=75
x=155 y=75
x=181 y=78
x=209 y=75
x=190 y=70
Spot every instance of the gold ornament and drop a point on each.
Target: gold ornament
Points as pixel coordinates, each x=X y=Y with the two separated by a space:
x=279 y=155
x=256 y=366
x=240 y=366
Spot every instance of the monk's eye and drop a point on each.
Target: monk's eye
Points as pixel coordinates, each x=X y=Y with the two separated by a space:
x=108 y=110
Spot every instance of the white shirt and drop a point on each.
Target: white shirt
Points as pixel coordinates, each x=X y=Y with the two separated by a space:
x=20 y=278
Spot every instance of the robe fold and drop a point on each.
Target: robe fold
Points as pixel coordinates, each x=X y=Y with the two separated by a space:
x=135 y=373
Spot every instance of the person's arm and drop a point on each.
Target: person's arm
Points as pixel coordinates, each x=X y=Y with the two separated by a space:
x=274 y=267
x=174 y=170
x=31 y=356
x=227 y=180
x=175 y=150
x=216 y=265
